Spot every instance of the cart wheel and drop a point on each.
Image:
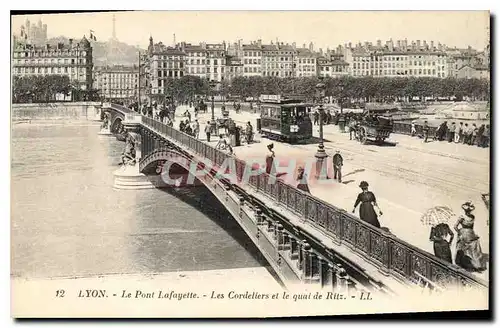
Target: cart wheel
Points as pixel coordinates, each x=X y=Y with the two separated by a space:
x=362 y=138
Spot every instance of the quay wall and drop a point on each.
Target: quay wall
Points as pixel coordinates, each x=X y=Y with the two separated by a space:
x=81 y=111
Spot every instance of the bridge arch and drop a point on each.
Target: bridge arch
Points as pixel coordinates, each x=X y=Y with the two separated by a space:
x=116 y=122
x=178 y=167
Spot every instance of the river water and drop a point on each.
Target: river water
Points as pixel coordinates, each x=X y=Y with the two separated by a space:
x=67 y=220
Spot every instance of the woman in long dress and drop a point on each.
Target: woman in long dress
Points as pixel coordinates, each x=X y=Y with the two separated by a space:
x=368 y=201
x=439 y=235
x=469 y=254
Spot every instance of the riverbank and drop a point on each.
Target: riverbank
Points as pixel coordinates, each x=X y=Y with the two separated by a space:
x=82 y=111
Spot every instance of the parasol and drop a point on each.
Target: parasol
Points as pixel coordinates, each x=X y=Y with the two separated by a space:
x=437 y=215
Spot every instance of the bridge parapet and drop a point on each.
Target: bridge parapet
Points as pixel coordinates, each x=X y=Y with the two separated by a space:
x=392 y=256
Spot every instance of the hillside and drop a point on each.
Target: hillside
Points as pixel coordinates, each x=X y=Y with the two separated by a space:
x=125 y=54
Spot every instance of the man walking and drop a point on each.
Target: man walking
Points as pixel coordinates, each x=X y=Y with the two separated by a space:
x=196 y=129
x=459 y=133
x=338 y=161
x=208 y=130
x=425 y=129
x=451 y=132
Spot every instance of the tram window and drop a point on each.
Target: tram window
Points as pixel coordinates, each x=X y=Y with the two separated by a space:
x=275 y=113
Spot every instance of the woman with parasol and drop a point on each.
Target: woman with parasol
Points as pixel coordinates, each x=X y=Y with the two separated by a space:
x=469 y=254
x=441 y=234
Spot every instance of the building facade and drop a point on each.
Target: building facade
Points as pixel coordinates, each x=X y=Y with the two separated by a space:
x=196 y=60
x=164 y=63
x=252 y=59
x=234 y=67
x=117 y=82
x=216 y=61
x=73 y=60
x=306 y=64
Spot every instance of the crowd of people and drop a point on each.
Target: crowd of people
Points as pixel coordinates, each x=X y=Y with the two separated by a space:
x=464 y=133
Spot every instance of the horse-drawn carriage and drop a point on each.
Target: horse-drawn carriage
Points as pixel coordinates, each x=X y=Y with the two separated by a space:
x=374 y=127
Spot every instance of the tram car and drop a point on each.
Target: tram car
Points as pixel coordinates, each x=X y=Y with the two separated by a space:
x=284 y=119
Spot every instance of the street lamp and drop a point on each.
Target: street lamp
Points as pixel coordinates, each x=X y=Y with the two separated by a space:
x=213 y=86
x=321 y=172
x=341 y=99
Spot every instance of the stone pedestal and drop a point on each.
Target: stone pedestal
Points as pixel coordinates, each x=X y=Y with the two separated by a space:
x=128 y=177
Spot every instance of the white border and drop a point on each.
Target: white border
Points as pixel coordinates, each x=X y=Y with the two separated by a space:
x=193 y=5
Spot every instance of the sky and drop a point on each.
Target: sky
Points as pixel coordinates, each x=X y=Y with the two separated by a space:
x=323 y=28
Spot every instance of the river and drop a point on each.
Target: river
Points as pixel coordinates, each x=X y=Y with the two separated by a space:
x=67 y=220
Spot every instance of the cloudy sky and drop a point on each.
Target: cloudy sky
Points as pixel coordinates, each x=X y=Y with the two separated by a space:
x=323 y=28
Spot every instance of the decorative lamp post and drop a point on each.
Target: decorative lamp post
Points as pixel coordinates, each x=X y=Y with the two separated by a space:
x=321 y=156
x=341 y=99
x=213 y=86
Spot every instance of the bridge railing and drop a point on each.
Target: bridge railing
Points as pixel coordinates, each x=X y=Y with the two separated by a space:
x=390 y=254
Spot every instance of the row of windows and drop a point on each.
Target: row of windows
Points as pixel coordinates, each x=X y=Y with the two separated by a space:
x=274 y=65
x=334 y=68
x=173 y=65
x=48 y=53
x=50 y=61
x=252 y=61
x=252 y=53
x=48 y=70
x=430 y=72
x=120 y=76
x=391 y=58
x=161 y=57
x=202 y=62
x=394 y=65
x=306 y=61
x=277 y=73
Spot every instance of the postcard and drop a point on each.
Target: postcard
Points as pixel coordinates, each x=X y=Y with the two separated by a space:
x=249 y=164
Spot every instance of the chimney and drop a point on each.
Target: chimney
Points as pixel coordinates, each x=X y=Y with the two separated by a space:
x=399 y=44
x=259 y=42
x=379 y=43
x=418 y=44
x=294 y=45
x=425 y=44
x=432 y=45
x=304 y=46
x=350 y=44
x=366 y=44
x=47 y=46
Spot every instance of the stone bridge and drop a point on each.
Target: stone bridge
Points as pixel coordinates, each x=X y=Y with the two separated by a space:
x=305 y=240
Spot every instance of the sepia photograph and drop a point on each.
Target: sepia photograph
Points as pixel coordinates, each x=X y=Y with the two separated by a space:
x=249 y=164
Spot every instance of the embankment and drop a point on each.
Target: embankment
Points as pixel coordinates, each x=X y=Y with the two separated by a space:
x=81 y=111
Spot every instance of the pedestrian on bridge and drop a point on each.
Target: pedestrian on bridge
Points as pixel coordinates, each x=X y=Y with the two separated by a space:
x=368 y=202
x=208 y=130
x=196 y=129
x=338 y=162
x=270 y=159
x=426 y=129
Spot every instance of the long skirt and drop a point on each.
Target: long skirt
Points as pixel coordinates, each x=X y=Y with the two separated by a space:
x=469 y=255
x=367 y=214
x=442 y=250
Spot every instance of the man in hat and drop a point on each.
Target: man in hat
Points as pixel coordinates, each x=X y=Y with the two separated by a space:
x=338 y=161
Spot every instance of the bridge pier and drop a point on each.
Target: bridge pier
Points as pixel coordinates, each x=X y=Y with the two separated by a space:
x=128 y=176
